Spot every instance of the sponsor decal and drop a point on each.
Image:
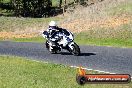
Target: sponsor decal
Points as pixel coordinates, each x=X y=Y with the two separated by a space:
x=83 y=78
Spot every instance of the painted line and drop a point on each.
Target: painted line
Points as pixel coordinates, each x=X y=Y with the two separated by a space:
x=75 y=67
x=38 y=61
x=93 y=70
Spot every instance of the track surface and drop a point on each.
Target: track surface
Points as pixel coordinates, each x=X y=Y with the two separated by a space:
x=115 y=60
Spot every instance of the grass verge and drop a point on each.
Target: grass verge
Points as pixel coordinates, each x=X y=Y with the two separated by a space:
x=14 y=24
x=33 y=39
x=119 y=37
x=106 y=42
x=86 y=41
x=17 y=72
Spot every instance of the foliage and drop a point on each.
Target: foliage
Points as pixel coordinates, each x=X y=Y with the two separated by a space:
x=32 y=8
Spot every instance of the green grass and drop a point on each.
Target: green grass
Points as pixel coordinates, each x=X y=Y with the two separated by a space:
x=34 y=39
x=5 y=1
x=86 y=41
x=17 y=72
x=119 y=37
x=106 y=42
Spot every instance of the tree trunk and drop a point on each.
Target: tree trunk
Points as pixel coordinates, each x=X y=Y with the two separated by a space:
x=64 y=6
x=60 y=3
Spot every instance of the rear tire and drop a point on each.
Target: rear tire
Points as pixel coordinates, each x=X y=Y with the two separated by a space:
x=53 y=52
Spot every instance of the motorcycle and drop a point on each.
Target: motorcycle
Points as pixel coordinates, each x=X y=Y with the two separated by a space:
x=61 y=41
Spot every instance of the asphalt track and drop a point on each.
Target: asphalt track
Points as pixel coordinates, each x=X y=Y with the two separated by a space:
x=115 y=60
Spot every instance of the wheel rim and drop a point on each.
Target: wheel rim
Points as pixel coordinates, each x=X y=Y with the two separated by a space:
x=74 y=52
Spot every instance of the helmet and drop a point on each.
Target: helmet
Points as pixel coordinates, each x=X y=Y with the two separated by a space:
x=52 y=23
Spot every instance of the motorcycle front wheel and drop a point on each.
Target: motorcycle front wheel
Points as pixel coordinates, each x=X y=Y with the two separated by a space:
x=75 y=49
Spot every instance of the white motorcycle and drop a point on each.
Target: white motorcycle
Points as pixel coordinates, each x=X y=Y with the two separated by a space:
x=61 y=41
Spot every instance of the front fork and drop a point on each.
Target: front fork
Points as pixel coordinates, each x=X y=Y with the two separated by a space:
x=70 y=45
x=48 y=46
x=52 y=47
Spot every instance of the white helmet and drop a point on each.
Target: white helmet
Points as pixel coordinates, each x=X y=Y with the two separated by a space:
x=52 y=23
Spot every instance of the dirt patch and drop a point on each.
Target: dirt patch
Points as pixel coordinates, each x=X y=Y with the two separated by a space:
x=83 y=25
x=115 y=21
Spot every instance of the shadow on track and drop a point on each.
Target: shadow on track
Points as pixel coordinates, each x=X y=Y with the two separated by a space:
x=65 y=53
x=82 y=54
x=87 y=54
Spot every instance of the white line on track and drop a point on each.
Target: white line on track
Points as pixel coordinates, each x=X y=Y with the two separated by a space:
x=78 y=67
x=93 y=70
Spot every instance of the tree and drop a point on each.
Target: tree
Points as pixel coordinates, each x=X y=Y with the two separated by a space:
x=31 y=8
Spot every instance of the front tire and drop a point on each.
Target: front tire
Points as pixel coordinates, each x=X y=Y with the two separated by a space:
x=76 y=50
x=47 y=45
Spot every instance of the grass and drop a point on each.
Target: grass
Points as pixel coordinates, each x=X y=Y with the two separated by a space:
x=86 y=41
x=119 y=37
x=122 y=8
x=34 y=39
x=21 y=24
x=106 y=42
x=19 y=72
x=5 y=1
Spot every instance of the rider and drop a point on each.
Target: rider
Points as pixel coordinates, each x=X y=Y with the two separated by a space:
x=54 y=29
